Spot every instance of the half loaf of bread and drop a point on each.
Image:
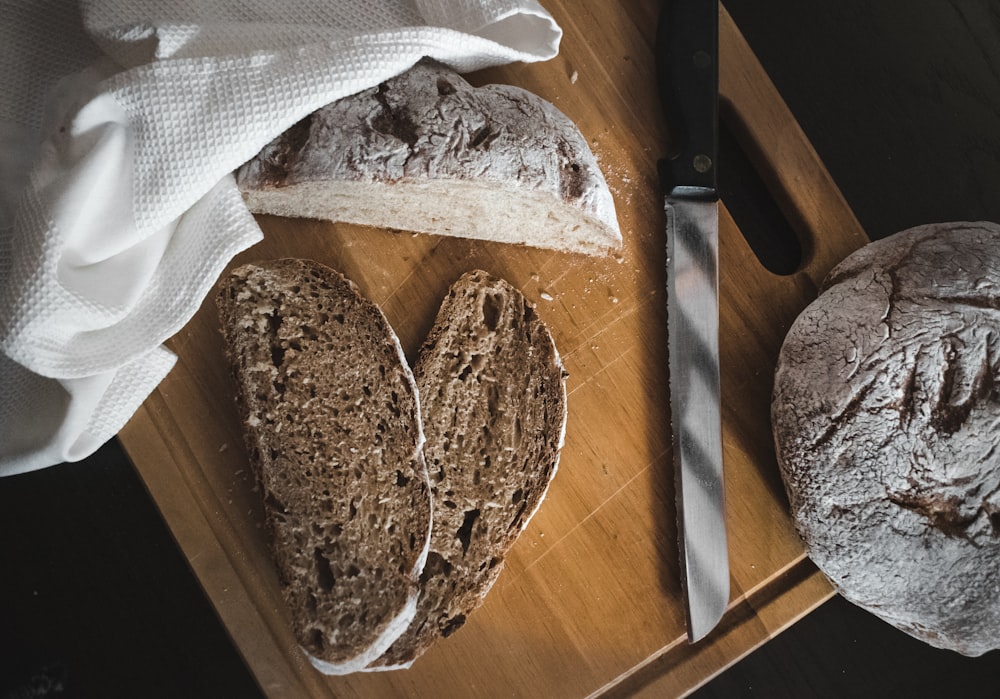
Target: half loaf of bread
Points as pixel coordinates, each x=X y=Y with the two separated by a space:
x=493 y=400
x=427 y=152
x=333 y=430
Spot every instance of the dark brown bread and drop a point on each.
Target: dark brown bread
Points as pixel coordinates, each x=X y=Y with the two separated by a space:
x=427 y=152
x=885 y=412
x=333 y=432
x=493 y=400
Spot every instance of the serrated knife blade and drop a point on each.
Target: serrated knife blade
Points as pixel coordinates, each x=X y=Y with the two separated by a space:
x=687 y=57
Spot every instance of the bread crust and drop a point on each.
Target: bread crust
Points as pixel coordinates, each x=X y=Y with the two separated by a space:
x=884 y=412
x=333 y=432
x=427 y=152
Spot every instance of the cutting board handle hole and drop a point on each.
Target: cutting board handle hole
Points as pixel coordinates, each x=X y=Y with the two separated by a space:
x=746 y=188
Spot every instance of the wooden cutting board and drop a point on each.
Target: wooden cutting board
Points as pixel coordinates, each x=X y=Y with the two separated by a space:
x=590 y=600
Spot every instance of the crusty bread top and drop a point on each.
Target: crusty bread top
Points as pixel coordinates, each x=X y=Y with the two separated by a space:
x=427 y=152
x=333 y=431
x=884 y=413
x=493 y=399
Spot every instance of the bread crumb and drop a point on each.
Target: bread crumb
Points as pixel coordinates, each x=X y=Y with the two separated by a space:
x=545 y=296
x=574 y=77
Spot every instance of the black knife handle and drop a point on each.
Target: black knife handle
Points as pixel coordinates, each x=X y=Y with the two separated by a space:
x=687 y=63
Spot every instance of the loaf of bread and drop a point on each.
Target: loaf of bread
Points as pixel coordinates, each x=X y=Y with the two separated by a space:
x=427 y=152
x=493 y=400
x=333 y=431
x=885 y=412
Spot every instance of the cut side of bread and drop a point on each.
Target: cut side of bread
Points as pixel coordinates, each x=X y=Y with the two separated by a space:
x=427 y=152
x=493 y=400
x=333 y=431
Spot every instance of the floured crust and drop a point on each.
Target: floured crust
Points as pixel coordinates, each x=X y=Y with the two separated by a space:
x=333 y=431
x=427 y=152
x=493 y=399
x=885 y=409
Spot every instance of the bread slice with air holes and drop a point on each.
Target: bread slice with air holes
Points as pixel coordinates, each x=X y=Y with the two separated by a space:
x=493 y=400
x=426 y=151
x=333 y=431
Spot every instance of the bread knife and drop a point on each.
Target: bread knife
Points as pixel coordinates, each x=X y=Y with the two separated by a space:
x=687 y=68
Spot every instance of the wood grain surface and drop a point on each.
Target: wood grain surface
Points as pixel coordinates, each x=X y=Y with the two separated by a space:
x=590 y=600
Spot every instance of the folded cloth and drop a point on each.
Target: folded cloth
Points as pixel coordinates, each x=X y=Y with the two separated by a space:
x=121 y=123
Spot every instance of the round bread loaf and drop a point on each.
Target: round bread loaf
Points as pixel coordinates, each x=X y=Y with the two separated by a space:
x=885 y=412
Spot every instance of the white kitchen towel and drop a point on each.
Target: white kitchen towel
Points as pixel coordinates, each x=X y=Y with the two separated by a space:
x=121 y=122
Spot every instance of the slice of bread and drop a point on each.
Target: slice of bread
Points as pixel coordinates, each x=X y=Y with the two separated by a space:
x=333 y=430
x=493 y=400
x=428 y=152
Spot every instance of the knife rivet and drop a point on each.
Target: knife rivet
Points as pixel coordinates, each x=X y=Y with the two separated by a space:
x=702 y=163
x=702 y=59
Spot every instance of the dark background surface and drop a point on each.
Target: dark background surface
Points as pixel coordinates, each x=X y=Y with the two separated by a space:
x=901 y=98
